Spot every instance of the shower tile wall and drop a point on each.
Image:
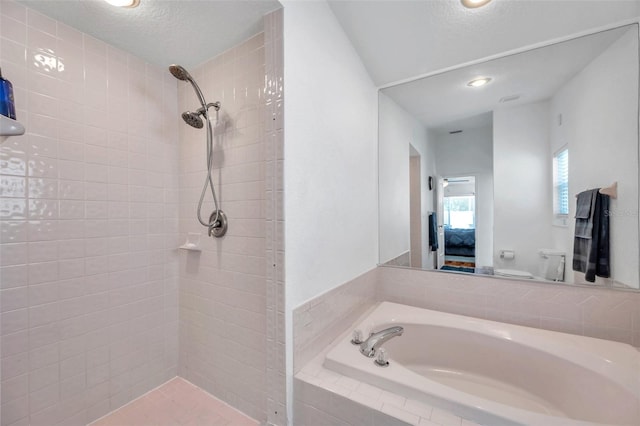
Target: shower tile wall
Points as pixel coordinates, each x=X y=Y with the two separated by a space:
x=222 y=289
x=88 y=225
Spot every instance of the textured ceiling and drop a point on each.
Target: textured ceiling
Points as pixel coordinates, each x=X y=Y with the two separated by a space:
x=443 y=102
x=396 y=39
x=162 y=31
x=402 y=39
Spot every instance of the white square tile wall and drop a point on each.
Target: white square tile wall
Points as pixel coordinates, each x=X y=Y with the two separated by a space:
x=319 y=321
x=223 y=291
x=88 y=225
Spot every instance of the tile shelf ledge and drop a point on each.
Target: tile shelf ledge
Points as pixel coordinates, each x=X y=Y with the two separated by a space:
x=192 y=243
x=9 y=127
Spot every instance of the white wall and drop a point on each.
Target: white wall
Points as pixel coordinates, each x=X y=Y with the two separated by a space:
x=522 y=184
x=395 y=136
x=603 y=148
x=330 y=158
x=398 y=130
x=330 y=155
x=470 y=153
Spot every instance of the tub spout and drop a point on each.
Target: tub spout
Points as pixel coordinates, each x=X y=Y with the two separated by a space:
x=370 y=346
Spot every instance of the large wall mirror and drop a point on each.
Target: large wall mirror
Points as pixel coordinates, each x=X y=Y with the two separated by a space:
x=524 y=166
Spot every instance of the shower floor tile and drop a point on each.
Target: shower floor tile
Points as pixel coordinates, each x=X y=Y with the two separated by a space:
x=176 y=403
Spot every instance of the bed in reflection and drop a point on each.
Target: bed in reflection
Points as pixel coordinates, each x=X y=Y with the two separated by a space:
x=459 y=249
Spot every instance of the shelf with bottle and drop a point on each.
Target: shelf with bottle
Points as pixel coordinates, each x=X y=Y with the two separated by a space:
x=10 y=127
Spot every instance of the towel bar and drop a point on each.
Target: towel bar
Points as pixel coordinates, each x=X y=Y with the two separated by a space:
x=611 y=191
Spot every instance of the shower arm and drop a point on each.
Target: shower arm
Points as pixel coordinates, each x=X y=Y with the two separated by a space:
x=205 y=108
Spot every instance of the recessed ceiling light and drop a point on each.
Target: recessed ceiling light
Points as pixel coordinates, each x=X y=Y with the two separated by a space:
x=124 y=3
x=472 y=4
x=479 y=82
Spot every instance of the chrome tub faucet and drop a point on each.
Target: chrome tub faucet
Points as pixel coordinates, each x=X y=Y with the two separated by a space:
x=369 y=347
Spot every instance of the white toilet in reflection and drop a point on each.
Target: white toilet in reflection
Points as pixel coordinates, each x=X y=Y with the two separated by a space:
x=551 y=264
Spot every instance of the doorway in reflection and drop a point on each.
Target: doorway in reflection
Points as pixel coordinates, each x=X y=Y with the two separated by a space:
x=459 y=222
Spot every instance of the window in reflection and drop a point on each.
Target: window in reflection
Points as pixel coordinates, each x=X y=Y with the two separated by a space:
x=561 y=186
x=459 y=212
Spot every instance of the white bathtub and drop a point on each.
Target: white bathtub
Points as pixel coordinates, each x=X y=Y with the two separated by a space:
x=495 y=373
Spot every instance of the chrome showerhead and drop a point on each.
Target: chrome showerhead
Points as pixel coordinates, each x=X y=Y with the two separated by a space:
x=193 y=119
x=179 y=72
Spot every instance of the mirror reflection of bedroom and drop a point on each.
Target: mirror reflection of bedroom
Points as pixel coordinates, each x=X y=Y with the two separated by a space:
x=459 y=222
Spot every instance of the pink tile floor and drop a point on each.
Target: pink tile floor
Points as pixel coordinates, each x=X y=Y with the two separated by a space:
x=176 y=403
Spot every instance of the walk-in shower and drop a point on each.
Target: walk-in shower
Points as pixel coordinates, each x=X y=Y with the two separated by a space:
x=217 y=224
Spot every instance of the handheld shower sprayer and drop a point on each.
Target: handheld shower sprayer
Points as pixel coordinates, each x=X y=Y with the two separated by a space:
x=182 y=74
x=217 y=223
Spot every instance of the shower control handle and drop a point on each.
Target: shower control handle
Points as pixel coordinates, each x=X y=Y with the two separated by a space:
x=218 y=228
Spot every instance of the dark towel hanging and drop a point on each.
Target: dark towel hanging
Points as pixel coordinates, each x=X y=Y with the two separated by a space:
x=433 y=231
x=591 y=241
x=585 y=208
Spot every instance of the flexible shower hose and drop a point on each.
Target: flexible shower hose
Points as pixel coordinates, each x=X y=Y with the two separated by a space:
x=208 y=180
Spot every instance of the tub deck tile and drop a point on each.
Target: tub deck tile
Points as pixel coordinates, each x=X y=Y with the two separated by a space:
x=401 y=414
x=418 y=408
x=445 y=418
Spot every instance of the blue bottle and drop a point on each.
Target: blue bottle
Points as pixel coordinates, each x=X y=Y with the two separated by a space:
x=7 y=104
